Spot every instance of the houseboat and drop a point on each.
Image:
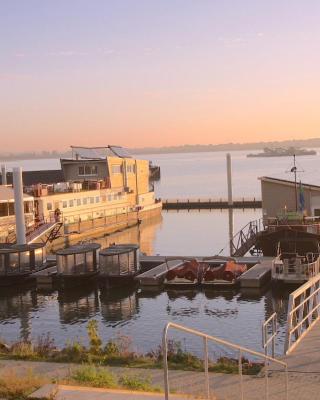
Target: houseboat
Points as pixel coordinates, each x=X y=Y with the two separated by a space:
x=77 y=265
x=119 y=264
x=101 y=186
x=19 y=262
x=291 y=217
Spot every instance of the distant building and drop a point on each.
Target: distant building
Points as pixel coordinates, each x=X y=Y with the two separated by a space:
x=279 y=195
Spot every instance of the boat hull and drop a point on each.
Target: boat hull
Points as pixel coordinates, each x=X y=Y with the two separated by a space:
x=291 y=241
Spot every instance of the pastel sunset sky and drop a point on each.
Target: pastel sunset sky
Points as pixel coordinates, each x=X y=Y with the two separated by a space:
x=153 y=73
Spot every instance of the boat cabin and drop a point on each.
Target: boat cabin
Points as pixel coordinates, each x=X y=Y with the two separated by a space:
x=78 y=260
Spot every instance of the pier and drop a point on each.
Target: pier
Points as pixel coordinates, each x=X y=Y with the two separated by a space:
x=210 y=204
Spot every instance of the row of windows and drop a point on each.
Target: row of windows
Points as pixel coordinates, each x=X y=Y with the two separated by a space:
x=117 y=169
x=92 y=170
x=85 y=170
x=85 y=201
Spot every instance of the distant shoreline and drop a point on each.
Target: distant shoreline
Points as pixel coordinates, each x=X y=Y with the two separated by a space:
x=306 y=143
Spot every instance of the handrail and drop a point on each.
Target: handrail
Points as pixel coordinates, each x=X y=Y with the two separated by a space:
x=272 y=320
x=303 y=312
x=207 y=337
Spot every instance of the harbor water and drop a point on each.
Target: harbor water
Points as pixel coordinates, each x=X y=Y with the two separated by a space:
x=234 y=315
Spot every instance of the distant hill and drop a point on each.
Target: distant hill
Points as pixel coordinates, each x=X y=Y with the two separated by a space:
x=187 y=148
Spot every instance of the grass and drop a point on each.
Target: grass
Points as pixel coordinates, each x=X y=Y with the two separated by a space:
x=117 y=352
x=135 y=382
x=15 y=387
x=94 y=376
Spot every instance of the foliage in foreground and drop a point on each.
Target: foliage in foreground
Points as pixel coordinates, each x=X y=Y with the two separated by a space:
x=14 y=387
x=118 y=352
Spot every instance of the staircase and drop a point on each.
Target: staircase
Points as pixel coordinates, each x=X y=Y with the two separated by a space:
x=245 y=239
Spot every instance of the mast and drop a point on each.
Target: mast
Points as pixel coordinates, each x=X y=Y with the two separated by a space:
x=294 y=170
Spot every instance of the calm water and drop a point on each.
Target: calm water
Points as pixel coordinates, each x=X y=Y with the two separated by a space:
x=233 y=315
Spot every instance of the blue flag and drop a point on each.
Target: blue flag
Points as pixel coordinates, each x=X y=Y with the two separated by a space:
x=301 y=198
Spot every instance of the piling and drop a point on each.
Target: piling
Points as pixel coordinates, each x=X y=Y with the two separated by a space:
x=229 y=179
x=19 y=205
x=4 y=174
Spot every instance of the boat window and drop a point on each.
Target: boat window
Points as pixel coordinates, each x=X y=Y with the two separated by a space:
x=91 y=200
x=70 y=203
x=109 y=197
x=49 y=206
x=78 y=202
x=81 y=170
x=97 y=199
x=84 y=201
x=104 y=198
x=64 y=204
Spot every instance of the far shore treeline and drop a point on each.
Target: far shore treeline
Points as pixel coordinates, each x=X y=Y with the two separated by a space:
x=186 y=148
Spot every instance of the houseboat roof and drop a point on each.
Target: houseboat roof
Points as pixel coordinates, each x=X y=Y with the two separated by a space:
x=289 y=183
x=99 y=153
x=78 y=249
x=119 y=249
x=7 y=195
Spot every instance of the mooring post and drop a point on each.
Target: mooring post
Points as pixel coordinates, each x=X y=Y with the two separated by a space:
x=229 y=179
x=19 y=205
x=3 y=175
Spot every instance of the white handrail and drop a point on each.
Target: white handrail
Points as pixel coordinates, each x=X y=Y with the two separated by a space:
x=272 y=320
x=207 y=337
x=303 y=312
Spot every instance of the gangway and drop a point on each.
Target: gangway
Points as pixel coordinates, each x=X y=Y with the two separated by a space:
x=246 y=238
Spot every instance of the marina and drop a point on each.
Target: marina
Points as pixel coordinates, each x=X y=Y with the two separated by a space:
x=160 y=252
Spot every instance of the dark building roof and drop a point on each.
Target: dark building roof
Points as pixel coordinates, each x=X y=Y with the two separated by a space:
x=289 y=183
x=34 y=177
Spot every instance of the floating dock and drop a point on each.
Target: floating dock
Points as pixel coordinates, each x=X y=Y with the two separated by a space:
x=197 y=204
x=155 y=276
x=258 y=275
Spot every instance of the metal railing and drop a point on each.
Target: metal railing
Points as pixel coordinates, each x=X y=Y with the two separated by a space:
x=243 y=240
x=299 y=268
x=269 y=324
x=233 y=346
x=303 y=312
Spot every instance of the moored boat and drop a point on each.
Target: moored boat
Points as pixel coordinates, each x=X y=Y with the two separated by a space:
x=77 y=265
x=225 y=274
x=186 y=275
x=18 y=262
x=119 y=264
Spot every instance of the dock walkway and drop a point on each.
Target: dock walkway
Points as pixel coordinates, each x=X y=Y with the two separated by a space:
x=197 y=204
x=258 y=275
x=156 y=275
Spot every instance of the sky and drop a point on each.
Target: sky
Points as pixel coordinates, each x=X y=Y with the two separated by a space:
x=142 y=73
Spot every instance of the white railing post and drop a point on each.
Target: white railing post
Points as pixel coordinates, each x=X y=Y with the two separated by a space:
x=206 y=366
x=165 y=362
x=240 y=374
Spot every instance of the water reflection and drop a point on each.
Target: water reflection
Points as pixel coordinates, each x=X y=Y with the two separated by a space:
x=78 y=304
x=17 y=304
x=143 y=234
x=118 y=304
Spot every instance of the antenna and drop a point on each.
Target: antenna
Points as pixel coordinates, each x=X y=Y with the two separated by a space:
x=295 y=170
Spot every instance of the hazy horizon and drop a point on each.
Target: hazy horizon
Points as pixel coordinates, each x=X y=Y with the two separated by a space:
x=157 y=73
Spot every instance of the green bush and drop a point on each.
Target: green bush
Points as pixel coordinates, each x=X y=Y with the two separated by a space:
x=94 y=337
x=94 y=376
x=135 y=382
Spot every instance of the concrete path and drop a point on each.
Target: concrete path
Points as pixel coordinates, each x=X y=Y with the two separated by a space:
x=305 y=358
x=63 y=392
x=302 y=386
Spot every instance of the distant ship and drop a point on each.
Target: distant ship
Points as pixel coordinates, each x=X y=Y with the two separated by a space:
x=283 y=152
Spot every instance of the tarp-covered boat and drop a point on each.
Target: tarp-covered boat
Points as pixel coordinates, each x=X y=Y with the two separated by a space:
x=225 y=274
x=187 y=274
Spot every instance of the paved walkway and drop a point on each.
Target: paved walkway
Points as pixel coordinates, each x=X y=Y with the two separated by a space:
x=302 y=386
x=305 y=358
